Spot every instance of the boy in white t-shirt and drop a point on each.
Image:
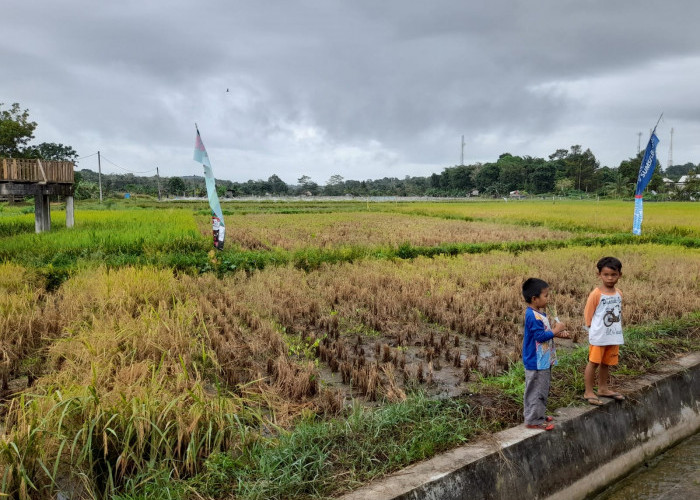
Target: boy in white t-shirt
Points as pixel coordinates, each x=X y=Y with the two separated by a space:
x=603 y=316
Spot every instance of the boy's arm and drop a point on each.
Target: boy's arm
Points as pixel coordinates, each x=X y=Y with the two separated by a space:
x=591 y=305
x=536 y=328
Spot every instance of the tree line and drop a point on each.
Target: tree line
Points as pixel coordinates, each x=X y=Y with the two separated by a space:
x=573 y=171
x=569 y=172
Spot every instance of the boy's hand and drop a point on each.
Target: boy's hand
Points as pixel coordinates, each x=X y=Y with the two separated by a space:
x=564 y=334
x=559 y=327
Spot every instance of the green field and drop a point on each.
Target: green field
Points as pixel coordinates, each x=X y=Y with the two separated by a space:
x=305 y=359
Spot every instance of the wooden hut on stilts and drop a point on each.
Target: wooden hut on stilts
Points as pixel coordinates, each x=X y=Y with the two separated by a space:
x=40 y=179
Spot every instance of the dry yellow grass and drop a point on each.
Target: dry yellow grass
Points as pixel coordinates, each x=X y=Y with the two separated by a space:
x=145 y=363
x=418 y=307
x=27 y=315
x=295 y=231
x=476 y=295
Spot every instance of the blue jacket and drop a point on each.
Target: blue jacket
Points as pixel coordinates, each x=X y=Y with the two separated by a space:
x=538 y=346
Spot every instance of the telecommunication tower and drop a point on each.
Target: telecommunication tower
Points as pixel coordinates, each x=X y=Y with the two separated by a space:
x=670 y=150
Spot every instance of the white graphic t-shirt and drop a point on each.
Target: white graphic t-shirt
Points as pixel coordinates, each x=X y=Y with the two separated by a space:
x=603 y=315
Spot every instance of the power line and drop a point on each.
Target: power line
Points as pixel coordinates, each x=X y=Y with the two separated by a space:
x=127 y=170
x=88 y=156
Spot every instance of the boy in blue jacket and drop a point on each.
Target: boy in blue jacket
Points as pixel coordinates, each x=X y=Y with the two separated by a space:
x=539 y=354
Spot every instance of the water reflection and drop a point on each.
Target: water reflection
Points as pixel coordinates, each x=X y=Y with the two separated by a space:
x=674 y=475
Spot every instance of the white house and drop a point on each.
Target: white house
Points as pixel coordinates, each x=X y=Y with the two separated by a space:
x=685 y=178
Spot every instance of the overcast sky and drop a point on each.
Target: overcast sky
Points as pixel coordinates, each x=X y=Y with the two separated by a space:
x=360 y=88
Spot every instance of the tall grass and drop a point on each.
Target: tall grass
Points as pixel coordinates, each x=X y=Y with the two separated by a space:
x=148 y=370
x=321 y=458
x=115 y=238
x=668 y=218
x=23 y=325
x=131 y=383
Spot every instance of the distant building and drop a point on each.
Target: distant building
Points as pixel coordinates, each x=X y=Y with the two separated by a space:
x=685 y=179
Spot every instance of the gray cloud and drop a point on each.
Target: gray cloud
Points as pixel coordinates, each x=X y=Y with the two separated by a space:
x=363 y=89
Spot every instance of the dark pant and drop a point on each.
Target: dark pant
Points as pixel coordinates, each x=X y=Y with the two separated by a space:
x=536 y=393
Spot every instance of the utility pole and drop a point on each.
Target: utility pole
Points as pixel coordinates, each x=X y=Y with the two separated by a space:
x=99 y=174
x=462 y=161
x=670 y=150
x=158 y=177
x=639 y=142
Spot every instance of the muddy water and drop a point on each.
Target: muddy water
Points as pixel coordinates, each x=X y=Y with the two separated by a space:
x=673 y=475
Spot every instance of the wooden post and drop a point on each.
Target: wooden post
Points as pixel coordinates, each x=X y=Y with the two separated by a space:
x=42 y=212
x=47 y=211
x=38 y=211
x=70 y=220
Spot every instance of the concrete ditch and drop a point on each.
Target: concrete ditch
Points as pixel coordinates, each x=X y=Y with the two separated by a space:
x=589 y=448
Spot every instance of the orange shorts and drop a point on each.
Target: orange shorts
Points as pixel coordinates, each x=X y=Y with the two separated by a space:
x=606 y=354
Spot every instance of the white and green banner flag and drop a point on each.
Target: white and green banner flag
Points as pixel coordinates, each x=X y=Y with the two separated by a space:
x=217 y=218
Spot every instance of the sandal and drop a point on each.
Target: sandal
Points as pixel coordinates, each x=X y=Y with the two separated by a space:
x=543 y=426
x=593 y=400
x=615 y=395
x=548 y=418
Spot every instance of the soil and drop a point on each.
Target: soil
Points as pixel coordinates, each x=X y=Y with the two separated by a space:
x=425 y=361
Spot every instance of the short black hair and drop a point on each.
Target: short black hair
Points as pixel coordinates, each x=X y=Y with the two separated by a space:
x=533 y=288
x=611 y=263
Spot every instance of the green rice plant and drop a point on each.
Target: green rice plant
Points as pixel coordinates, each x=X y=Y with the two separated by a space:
x=11 y=224
x=672 y=218
x=321 y=458
x=113 y=237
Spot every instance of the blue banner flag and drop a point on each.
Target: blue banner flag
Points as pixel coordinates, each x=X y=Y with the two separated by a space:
x=218 y=227
x=646 y=170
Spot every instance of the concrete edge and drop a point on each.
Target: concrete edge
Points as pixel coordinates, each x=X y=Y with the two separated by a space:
x=626 y=463
x=661 y=410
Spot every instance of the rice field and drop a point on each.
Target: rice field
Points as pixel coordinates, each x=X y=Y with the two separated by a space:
x=137 y=362
x=677 y=218
x=295 y=231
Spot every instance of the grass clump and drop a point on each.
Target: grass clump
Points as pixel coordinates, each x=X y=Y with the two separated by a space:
x=322 y=458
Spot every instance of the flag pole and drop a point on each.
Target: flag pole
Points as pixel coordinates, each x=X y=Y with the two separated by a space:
x=646 y=170
x=657 y=124
x=201 y=156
